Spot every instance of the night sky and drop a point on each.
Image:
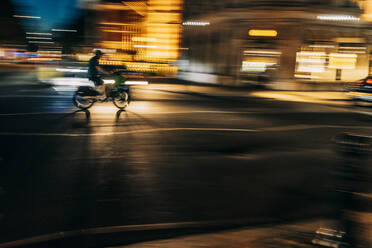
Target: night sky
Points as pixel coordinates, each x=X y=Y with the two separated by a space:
x=52 y=12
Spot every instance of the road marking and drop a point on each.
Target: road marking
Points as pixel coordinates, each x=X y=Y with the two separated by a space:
x=157 y=113
x=362 y=112
x=35 y=113
x=38 y=96
x=237 y=130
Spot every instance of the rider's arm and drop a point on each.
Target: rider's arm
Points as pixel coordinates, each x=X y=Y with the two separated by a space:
x=99 y=68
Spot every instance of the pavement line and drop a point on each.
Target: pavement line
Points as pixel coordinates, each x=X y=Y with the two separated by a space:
x=268 y=129
x=126 y=132
x=35 y=113
x=362 y=112
x=38 y=96
x=169 y=112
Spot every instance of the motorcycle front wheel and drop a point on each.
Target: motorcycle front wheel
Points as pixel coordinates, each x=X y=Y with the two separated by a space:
x=121 y=101
x=82 y=103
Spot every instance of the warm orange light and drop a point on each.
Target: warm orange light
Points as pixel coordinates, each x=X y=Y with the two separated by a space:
x=117 y=23
x=117 y=31
x=112 y=7
x=263 y=32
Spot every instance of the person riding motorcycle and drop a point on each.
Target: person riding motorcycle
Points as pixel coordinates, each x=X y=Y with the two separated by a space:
x=93 y=73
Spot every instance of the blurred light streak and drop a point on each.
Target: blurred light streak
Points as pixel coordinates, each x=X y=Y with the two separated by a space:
x=117 y=23
x=145 y=46
x=343 y=55
x=338 y=18
x=117 y=31
x=139 y=7
x=262 y=52
x=29 y=17
x=311 y=60
x=249 y=66
x=306 y=76
x=354 y=48
x=195 y=23
x=70 y=81
x=263 y=32
x=42 y=42
x=38 y=33
x=136 y=83
x=105 y=50
x=64 y=88
x=70 y=70
x=38 y=38
x=112 y=6
x=342 y=61
x=323 y=46
x=21 y=54
x=144 y=39
x=310 y=68
x=64 y=30
x=311 y=53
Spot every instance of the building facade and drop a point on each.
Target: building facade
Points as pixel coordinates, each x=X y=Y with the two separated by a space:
x=142 y=35
x=238 y=42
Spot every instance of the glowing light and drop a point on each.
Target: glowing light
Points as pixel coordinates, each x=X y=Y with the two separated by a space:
x=20 y=54
x=145 y=46
x=310 y=68
x=322 y=46
x=70 y=70
x=144 y=39
x=343 y=55
x=38 y=38
x=113 y=6
x=117 y=31
x=105 y=50
x=311 y=60
x=342 y=61
x=305 y=76
x=262 y=52
x=196 y=23
x=64 y=30
x=38 y=33
x=338 y=18
x=354 y=48
x=311 y=53
x=255 y=66
x=109 y=81
x=263 y=32
x=29 y=17
x=117 y=24
x=136 y=83
x=70 y=81
x=42 y=42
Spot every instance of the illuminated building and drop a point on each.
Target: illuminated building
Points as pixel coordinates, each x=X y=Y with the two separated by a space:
x=145 y=35
x=282 y=41
x=366 y=5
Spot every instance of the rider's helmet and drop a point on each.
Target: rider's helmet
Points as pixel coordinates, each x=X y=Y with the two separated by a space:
x=99 y=53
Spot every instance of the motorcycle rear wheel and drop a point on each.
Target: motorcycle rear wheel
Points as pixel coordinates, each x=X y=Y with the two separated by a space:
x=121 y=101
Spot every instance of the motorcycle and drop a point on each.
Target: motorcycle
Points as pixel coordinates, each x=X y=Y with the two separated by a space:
x=86 y=96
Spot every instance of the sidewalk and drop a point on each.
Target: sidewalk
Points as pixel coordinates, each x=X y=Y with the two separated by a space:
x=296 y=235
x=324 y=97
x=280 y=236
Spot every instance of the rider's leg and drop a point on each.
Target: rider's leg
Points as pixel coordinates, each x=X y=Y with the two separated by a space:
x=101 y=89
x=109 y=88
x=98 y=82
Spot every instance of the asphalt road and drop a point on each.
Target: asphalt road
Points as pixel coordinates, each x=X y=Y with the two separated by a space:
x=169 y=158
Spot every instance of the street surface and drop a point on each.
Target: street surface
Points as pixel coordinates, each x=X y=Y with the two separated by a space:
x=169 y=158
